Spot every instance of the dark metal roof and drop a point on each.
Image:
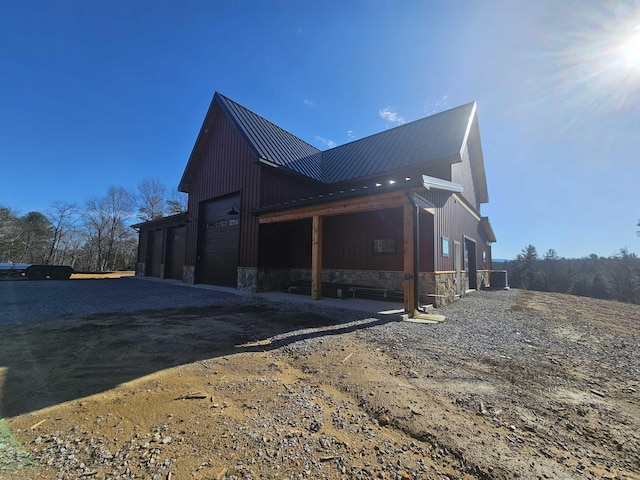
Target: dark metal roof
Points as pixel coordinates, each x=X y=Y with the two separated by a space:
x=438 y=137
x=272 y=144
x=170 y=221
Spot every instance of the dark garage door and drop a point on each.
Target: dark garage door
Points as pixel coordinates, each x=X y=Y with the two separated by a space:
x=154 y=253
x=176 y=242
x=218 y=242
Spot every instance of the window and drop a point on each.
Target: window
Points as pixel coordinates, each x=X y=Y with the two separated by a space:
x=384 y=245
x=233 y=222
x=445 y=246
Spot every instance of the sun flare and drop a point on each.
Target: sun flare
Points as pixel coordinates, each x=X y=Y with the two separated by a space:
x=630 y=51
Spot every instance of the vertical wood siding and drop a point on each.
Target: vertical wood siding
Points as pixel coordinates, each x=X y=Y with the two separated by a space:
x=453 y=221
x=462 y=173
x=277 y=187
x=226 y=166
x=348 y=240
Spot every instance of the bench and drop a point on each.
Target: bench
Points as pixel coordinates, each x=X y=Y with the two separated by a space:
x=339 y=290
x=374 y=293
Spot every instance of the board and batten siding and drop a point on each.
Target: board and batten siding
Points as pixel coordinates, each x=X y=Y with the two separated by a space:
x=277 y=187
x=454 y=221
x=461 y=173
x=226 y=165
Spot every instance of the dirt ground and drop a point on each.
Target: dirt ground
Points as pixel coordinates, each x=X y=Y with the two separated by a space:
x=85 y=276
x=257 y=391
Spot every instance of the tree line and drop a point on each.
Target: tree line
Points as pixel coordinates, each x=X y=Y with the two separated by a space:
x=616 y=277
x=95 y=236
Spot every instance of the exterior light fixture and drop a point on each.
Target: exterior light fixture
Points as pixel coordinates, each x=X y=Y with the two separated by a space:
x=391 y=182
x=186 y=220
x=234 y=210
x=407 y=179
x=378 y=184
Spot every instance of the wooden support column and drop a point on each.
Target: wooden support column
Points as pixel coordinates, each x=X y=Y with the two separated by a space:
x=410 y=304
x=316 y=258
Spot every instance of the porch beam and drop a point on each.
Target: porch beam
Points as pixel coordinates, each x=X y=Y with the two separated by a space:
x=316 y=258
x=341 y=207
x=410 y=303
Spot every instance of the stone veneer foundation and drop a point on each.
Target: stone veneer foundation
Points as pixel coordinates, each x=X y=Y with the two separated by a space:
x=189 y=274
x=438 y=288
x=140 y=269
x=247 y=279
x=270 y=279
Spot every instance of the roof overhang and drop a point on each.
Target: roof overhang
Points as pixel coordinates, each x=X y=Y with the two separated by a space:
x=170 y=221
x=486 y=226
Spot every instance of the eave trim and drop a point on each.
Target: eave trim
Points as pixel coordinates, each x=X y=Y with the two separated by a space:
x=433 y=183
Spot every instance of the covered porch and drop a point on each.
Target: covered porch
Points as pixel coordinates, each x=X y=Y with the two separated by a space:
x=380 y=242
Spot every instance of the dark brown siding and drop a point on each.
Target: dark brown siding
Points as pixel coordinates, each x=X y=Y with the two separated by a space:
x=461 y=173
x=455 y=222
x=285 y=245
x=174 y=259
x=278 y=187
x=426 y=253
x=348 y=240
x=154 y=253
x=143 y=240
x=226 y=166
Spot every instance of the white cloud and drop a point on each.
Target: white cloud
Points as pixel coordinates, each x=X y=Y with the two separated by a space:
x=435 y=105
x=390 y=116
x=351 y=135
x=309 y=103
x=327 y=142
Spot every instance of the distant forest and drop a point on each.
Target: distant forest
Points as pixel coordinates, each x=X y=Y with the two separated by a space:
x=613 y=278
x=95 y=236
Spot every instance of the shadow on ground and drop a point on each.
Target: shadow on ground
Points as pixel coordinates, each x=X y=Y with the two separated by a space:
x=47 y=363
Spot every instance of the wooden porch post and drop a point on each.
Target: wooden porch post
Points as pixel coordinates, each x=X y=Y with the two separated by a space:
x=316 y=258
x=408 y=252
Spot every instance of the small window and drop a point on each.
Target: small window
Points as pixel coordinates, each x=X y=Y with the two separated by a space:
x=384 y=245
x=484 y=256
x=445 y=246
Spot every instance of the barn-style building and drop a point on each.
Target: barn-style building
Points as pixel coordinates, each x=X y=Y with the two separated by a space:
x=396 y=214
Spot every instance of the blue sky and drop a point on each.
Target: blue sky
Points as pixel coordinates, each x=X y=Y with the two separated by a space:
x=94 y=94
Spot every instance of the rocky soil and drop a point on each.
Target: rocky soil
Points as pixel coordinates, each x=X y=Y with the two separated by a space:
x=512 y=385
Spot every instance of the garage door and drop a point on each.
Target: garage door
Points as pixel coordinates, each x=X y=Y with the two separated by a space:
x=154 y=253
x=176 y=242
x=218 y=241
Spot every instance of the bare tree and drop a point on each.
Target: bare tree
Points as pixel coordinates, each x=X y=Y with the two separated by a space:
x=62 y=218
x=176 y=202
x=105 y=225
x=150 y=199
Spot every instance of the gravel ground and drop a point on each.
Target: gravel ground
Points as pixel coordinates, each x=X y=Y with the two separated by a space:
x=25 y=301
x=512 y=385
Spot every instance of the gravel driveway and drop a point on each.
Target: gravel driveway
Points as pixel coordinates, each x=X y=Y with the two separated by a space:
x=23 y=301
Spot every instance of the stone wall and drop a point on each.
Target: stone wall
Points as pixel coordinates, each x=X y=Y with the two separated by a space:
x=189 y=274
x=140 y=269
x=483 y=278
x=247 y=279
x=270 y=279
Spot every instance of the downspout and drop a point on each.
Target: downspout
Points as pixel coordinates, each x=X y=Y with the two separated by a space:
x=416 y=251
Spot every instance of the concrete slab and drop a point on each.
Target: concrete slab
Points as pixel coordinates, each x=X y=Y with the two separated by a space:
x=371 y=307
